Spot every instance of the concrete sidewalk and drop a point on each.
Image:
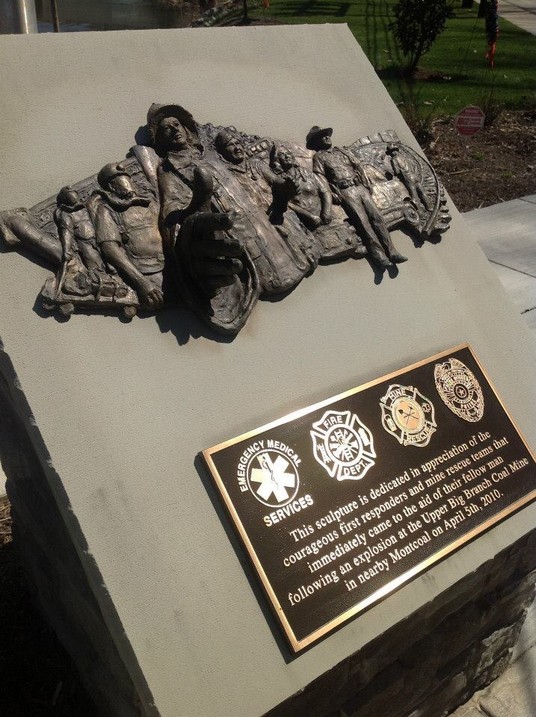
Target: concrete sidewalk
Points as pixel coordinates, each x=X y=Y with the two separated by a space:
x=507 y=234
x=521 y=13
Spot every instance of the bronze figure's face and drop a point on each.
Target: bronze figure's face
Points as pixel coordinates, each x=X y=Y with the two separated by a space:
x=71 y=198
x=285 y=158
x=122 y=186
x=171 y=134
x=324 y=141
x=233 y=151
x=68 y=197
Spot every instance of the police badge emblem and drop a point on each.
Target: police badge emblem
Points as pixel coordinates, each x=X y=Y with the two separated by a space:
x=408 y=415
x=459 y=390
x=343 y=445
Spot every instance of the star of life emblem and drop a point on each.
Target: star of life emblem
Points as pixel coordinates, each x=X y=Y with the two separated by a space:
x=408 y=415
x=459 y=390
x=272 y=477
x=343 y=445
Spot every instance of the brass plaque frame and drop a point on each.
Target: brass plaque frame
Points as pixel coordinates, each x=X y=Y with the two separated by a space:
x=418 y=423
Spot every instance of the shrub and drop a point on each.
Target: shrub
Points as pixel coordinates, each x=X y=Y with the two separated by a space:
x=416 y=26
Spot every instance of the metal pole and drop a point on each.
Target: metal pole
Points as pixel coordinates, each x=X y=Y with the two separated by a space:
x=483 y=8
x=18 y=16
x=55 y=16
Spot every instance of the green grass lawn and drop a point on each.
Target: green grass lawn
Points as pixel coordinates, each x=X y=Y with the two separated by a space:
x=457 y=57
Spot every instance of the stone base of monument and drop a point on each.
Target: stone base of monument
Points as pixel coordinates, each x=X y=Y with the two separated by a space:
x=54 y=570
x=438 y=657
x=124 y=536
x=424 y=666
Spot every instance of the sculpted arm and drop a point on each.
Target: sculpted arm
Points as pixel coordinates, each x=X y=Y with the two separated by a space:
x=174 y=198
x=284 y=188
x=109 y=240
x=311 y=221
x=326 y=199
x=325 y=176
x=318 y=166
x=66 y=234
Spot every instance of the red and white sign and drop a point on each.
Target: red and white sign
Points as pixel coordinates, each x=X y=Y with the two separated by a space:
x=470 y=120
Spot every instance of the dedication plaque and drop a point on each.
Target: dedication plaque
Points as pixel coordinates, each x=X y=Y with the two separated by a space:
x=341 y=503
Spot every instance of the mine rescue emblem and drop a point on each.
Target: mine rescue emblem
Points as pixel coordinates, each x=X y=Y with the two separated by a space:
x=459 y=390
x=343 y=445
x=408 y=415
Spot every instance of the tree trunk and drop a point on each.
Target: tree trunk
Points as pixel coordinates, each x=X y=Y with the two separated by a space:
x=483 y=9
x=414 y=60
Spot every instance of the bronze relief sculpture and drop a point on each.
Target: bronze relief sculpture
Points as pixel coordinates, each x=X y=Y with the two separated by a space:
x=215 y=219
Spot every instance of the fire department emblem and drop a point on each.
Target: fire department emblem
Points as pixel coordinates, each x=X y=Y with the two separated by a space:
x=343 y=445
x=408 y=415
x=459 y=390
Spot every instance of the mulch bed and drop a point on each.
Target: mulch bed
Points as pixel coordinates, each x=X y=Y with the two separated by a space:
x=495 y=165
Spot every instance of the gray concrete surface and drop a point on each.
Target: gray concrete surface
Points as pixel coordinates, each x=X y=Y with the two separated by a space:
x=521 y=13
x=507 y=234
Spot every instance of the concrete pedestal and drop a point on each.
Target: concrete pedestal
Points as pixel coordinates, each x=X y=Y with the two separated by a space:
x=114 y=414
